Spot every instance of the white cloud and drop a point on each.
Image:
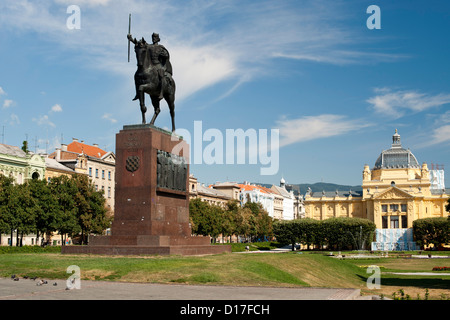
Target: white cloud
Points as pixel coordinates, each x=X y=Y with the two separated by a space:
x=14 y=119
x=396 y=103
x=44 y=121
x=81 y=3
x=56 y=108
x=315 y=127
x=108 y=116
x=7 y=103
x=2 y=92
x=440 y=135
x=209 y=41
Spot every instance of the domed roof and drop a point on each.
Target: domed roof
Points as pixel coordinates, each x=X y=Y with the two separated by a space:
x=396 y=156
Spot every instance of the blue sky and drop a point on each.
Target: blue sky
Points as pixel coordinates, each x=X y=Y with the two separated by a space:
x=334 y=88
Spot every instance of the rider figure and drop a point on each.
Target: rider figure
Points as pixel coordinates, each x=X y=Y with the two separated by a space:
x=160 y=60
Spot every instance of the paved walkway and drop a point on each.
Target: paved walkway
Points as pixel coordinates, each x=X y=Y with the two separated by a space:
x=26 y=289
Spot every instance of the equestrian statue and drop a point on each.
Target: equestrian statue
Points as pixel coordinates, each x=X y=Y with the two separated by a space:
x=153 y=76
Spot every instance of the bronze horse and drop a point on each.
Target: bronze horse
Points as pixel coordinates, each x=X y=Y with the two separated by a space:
x=154 y=77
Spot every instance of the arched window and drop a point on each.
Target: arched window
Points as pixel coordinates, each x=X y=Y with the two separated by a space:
x=35 y=176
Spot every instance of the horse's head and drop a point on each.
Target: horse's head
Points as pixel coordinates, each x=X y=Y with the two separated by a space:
x=141 y=52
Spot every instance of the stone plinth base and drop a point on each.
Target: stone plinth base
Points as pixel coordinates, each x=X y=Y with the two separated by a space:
x=147 y=245
x=147 y=250
x=151 y=198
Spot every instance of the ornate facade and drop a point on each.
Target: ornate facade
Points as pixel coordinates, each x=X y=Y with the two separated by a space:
x=395 y=192
x=98 y=164
x=22 y=166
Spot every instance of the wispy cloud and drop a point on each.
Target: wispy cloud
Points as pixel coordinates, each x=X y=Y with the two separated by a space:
x=7 y=103
x=440 y=132
x=440 y=135
x=316 y=127
x=397 y=103
x=209 y=41
x=108 y=116
x=14 y=119
x=44 y=121
x=56 y=108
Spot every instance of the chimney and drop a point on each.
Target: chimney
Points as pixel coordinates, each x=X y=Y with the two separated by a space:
x=95 y=145
x=74 y=140
x=58 y=154
x=63 y=147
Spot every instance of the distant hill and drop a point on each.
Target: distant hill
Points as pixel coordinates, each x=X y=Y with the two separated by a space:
x=315 y=187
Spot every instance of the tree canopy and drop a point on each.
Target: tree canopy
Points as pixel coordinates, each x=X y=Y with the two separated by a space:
x=68 y=206
x=250 y=221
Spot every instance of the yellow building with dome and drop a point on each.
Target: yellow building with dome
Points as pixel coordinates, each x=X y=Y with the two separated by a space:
x=395 y=192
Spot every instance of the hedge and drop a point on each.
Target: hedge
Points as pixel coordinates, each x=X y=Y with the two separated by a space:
x=30 y=249
x=432 y=231
x=333 y=233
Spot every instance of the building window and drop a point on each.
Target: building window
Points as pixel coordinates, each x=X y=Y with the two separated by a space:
x=394 y=207
x=394 y=222
x=384 y=208
x=103 y=174
x=384 y=222
x=109 y=192
x=96 y=173
x=90 y=172
x=404 y=222
x=109 y=175
x=403 y=207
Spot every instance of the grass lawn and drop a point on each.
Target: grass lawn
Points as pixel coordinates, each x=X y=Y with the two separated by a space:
x=290 y=269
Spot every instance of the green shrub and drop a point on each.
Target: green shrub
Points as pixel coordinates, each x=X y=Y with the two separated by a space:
x=30 y=249
x=339 y=233
x=432 y=231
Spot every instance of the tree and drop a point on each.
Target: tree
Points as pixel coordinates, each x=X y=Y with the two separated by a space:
x=90 y=207
x=197 y=211
x=45 y=207
x=447 y=207
x=6 y=216
x=332 y=232
x=432 y=231
x=285 y=232
x=25 y=146
x=24 y=212
x=259 y=222
x=66 y=220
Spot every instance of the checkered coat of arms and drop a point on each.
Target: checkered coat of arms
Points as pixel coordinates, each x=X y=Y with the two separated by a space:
x=132 y=163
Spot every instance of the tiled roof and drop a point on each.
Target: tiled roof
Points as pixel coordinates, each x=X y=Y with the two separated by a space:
x=12 y=151
x=331 y=194
x=249 y=187
x=282 y=191
x=64 y=155
x=211 y=191
x=52 y=163
x=91 y=151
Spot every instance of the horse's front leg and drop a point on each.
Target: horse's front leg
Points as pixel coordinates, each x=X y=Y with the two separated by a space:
x=155 y=103
x=142 y=102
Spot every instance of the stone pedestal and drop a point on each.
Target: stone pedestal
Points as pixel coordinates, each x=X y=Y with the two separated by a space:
x=151 y=198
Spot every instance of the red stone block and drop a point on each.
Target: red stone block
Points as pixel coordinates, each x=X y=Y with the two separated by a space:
x=148 y=219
